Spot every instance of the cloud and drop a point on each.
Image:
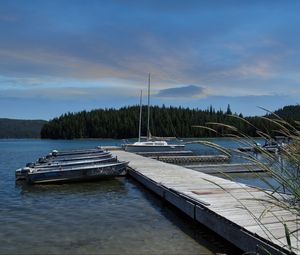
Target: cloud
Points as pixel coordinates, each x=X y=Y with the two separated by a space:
x=182 y=92
x=22 y=82
x=189 y=46
x=57 y=49
x=68 y=93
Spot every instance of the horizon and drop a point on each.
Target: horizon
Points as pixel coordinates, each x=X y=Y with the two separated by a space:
x=61 y=56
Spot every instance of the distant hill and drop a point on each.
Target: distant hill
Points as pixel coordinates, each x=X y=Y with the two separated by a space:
x=14 y=128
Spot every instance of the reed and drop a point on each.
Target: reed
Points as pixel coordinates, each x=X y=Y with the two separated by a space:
x=283 y=167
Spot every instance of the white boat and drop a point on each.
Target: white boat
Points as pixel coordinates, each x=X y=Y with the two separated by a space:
x=149 y=145
x=153 y=146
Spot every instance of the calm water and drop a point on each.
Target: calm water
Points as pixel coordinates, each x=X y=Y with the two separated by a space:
x=261 y=180
x=108 y=217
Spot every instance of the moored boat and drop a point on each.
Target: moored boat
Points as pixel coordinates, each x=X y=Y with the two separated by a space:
x=73 y=157
x=51 y=164
x=21 y=173
x=153 y=146
x=71 y=165
x=57 y=153
x=72 y=174
x=150 y=145
x=270 y=146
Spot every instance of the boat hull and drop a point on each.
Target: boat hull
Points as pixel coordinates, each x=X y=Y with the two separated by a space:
x=152 y=148
x=81 y=174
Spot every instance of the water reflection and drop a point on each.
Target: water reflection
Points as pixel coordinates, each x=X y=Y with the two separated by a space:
x=196 y=231
x=111 y=217
x=89 y=188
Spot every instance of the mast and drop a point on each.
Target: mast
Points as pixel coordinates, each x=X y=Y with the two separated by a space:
x=140 y=121
x=148 y=121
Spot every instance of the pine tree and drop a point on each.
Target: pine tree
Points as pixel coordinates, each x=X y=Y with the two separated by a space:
x=229 y=112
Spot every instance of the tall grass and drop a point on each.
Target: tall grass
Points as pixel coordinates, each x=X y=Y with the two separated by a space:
x=283 y=167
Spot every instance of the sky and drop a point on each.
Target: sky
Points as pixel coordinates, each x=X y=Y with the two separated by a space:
x=66 y=56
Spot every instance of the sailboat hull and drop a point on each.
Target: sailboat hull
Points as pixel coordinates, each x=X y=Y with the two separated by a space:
x=152 y=148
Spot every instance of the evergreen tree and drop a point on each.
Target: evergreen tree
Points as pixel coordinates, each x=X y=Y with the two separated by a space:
x=165 y=121
x=229 y=112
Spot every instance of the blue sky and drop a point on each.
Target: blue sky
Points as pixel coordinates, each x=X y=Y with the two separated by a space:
x=58 y=56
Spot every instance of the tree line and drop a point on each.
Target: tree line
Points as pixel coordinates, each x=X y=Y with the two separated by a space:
x=164 y=122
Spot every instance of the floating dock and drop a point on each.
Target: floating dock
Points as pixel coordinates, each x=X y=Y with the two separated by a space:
x=184 y=157
x=226 y=168
x=192 y=159
x=156 y=154
x=176 y=157
x=228 y=208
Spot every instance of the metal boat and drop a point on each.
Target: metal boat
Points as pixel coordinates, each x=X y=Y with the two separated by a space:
x=21 y=173
x=72 y=174
x=51 y=164
x=49 y=158
x=74 y=165
x=57 y=153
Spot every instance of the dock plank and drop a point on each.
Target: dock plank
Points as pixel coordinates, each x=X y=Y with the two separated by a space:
x=217 y=203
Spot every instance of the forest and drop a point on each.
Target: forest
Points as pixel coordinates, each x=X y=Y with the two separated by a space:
x=164 y=122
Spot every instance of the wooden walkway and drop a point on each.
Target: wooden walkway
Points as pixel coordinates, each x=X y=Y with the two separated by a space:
x=203 y=197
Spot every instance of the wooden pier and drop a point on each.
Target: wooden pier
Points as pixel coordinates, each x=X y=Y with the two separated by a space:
x=227 y=208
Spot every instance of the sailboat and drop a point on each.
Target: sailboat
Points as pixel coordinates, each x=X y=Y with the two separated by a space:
x=148 y=145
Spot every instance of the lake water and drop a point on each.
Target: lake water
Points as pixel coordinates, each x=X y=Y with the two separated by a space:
x=261 y=180
x=118 y=216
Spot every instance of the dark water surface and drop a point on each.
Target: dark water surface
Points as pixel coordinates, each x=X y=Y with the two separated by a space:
x=107 y=217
